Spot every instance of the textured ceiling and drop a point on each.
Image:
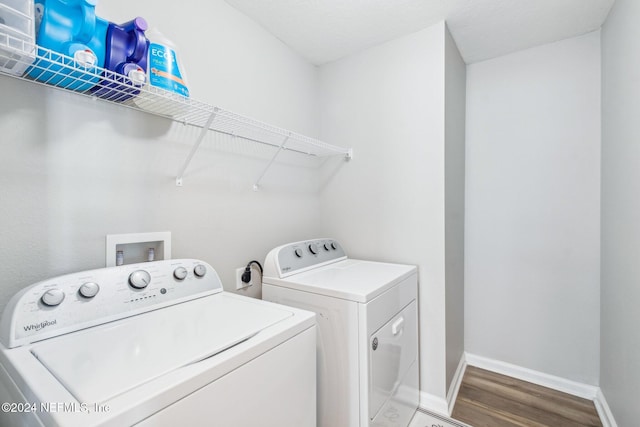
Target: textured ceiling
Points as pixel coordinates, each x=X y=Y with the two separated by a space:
x=325 y=30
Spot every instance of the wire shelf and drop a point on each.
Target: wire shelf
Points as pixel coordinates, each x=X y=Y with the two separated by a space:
x=46 y=67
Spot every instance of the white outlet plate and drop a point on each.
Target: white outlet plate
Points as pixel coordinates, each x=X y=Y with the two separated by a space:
x=239 y=283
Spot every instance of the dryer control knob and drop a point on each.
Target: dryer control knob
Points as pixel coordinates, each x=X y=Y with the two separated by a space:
x=139 y=279
x=52 y=297
x=313 y=248
x=180 y=273
x=89 y=289
x=200 y=270
x=298 y=252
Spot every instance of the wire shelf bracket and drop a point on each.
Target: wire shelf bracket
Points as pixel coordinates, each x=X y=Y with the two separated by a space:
x=196 y=145
x=256 y=185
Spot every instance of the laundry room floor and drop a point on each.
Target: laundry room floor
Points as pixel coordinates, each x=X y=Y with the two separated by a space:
x=487 y=399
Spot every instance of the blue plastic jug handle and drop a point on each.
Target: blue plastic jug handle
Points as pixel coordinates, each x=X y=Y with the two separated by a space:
x=88 y=28
x=138 y=26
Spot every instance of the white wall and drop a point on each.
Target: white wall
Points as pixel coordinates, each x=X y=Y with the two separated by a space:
x=231 y=61
x=532 y=209
x=74 y=170
x=455 y=102
x=620 y=293
x=388 y=203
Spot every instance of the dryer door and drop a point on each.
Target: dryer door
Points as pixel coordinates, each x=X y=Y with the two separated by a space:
x=392 y=350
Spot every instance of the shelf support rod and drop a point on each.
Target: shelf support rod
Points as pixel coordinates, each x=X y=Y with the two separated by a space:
x=195 y=147
x=256 y=186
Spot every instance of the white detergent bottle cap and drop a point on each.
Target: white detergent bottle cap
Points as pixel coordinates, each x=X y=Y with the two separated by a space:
x=156 y=36
x=138 y=77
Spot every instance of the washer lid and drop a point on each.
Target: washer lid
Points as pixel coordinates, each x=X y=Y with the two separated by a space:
x=351 y=279
x=97 y=364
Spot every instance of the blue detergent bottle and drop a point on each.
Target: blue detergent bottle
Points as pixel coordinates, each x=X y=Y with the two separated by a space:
x=126 y=57
x=167 y=80
x=71 y=28
x=165 y=69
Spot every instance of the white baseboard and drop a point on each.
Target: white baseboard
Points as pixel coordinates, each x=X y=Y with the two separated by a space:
x=454 y=387
x=433 y=403
x=604 y=412
x=584 y=391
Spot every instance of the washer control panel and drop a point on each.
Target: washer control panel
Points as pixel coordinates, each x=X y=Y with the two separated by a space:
x=300 y=256
x=76 y=301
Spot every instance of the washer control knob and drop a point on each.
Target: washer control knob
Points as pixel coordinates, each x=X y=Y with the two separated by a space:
x=52 y=297
x=313 y=248
x=139 y=279
x=298 y=252
x=326 y=247
x=89 y=289
x=180 y=273
x=200 y=270
x=334 y=246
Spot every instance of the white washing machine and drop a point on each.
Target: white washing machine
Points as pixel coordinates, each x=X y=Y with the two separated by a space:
x=154 y=344
x=366 y=314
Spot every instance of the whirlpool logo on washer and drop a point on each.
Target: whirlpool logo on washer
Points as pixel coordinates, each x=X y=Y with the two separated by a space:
x=35 y=327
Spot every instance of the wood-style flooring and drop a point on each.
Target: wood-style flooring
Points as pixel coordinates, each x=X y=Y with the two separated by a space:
x=487 y=399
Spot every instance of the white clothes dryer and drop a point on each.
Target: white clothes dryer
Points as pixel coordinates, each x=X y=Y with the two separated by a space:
x=367 y=330
x=154 y=344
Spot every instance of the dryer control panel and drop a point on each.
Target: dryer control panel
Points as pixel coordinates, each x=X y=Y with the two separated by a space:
x=292 y=258
x=80 y=300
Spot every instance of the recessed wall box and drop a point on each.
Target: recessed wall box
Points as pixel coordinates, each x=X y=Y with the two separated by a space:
x=135 y=247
